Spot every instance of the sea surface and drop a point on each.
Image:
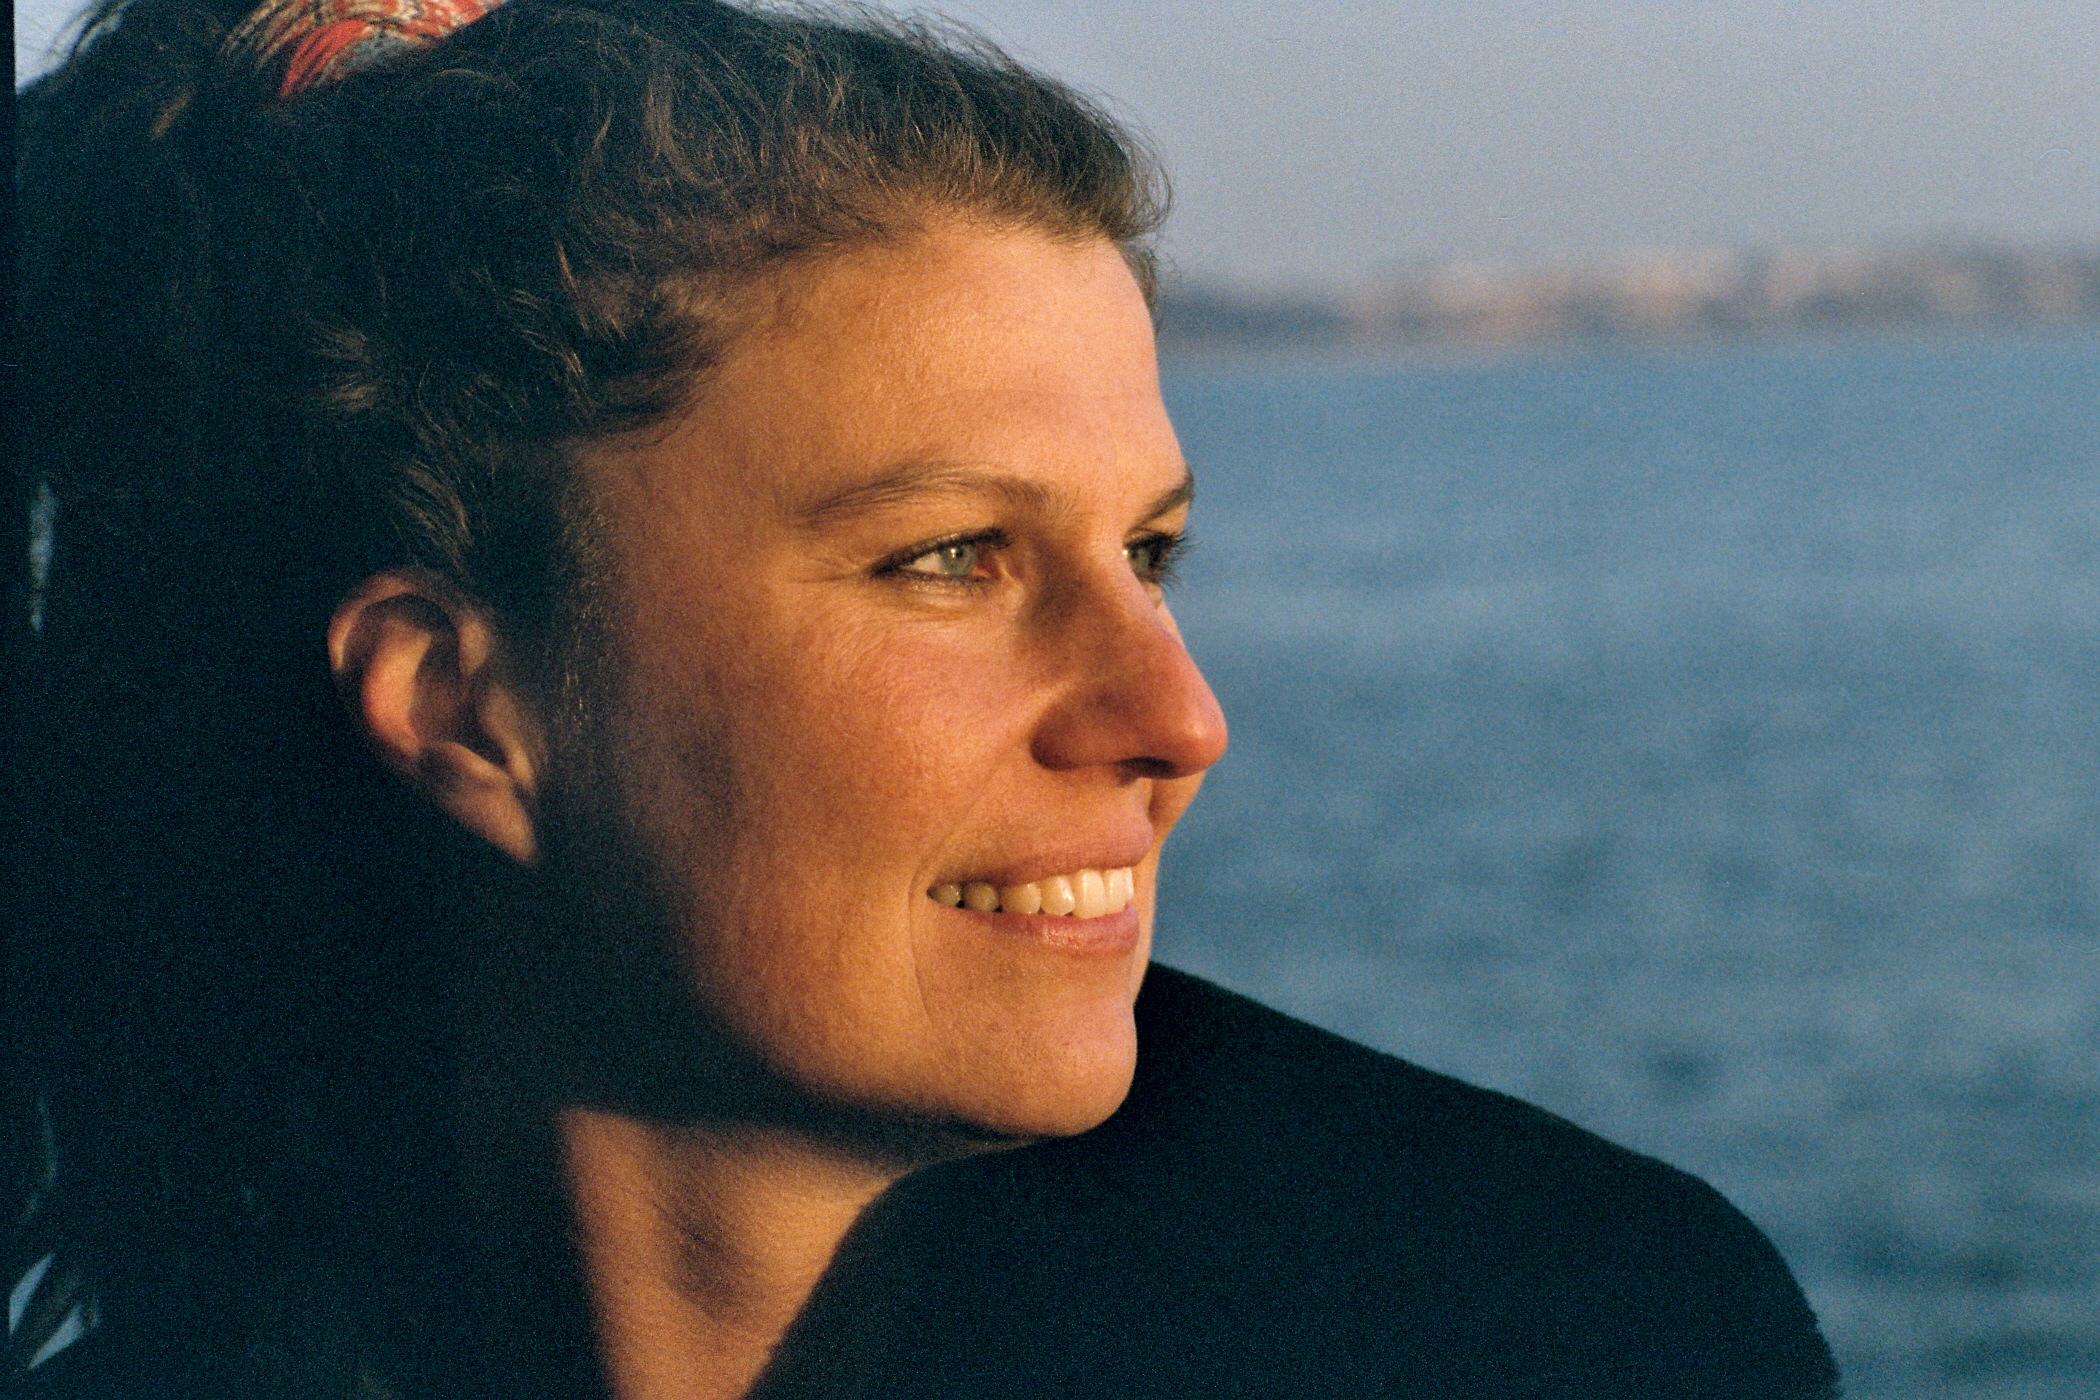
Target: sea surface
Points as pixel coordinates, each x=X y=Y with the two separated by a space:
x=1704 y=743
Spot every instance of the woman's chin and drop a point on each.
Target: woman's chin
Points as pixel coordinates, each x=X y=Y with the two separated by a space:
x=1068 y=1088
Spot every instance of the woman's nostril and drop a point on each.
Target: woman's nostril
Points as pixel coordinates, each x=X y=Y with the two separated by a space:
x=1144 y=707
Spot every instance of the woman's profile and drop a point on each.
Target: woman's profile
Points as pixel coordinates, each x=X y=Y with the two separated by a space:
x=608 y=718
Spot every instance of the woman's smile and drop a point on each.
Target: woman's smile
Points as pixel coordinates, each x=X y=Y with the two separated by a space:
x=1087 y=911
x=1083 y=894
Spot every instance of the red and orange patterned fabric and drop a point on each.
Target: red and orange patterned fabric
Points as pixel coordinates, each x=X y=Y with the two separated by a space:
x=299 y=43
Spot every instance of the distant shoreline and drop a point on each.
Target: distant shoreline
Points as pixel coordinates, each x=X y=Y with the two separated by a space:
x=1656 y=297
x=1314 y=354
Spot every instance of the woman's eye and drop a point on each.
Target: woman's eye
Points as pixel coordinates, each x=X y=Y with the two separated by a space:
x=959 y=560
x=1153 y=557
x=970 y=558
x=956 y=560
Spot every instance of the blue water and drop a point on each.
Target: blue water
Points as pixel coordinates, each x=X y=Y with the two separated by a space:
x=1704 y=743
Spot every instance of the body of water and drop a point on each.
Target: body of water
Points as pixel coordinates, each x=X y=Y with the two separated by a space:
x=1703 y=743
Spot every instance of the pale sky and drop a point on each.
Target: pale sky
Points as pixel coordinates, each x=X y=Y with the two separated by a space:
x=1312 y=143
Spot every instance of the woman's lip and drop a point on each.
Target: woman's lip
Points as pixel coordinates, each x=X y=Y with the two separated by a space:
x=1124 y=849
x=1107 y=935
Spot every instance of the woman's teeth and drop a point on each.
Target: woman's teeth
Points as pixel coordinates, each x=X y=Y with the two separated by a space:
x=1084 y=894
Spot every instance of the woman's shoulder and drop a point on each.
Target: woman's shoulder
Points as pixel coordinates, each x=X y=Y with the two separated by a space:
x=1518 y=1239
x=1220 y=1070
x=1277 y=1210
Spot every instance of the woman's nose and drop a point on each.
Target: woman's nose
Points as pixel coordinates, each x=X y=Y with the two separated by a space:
x=1133 y=698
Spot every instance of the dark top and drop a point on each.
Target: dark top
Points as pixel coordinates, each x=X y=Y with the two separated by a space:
x=1274 y=1212
x=1278 y=1212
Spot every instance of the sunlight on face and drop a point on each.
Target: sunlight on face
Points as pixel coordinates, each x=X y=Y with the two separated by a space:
x=892 y=635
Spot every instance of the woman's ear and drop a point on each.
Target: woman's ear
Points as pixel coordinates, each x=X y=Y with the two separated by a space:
x=420 y=669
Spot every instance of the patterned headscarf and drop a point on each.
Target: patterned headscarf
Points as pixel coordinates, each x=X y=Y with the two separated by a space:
x=301 y=43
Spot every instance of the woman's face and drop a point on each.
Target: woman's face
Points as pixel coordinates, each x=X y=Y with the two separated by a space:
x=890 y=619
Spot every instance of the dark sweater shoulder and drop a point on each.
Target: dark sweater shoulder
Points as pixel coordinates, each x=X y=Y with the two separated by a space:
x=1247 y=1089
x=1532 y=1256
x=1278 y=1211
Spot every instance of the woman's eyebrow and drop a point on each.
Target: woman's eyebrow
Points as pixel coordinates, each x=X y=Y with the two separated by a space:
x=908 y=481
x=1175 y=497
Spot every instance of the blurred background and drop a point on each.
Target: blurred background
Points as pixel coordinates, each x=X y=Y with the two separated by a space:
x=1650 y=556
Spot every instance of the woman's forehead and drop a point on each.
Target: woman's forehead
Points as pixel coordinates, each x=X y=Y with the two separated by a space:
x=1004 y=350
x=960 y=298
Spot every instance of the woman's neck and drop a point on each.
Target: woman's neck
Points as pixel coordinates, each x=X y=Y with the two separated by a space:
x=700 y=1246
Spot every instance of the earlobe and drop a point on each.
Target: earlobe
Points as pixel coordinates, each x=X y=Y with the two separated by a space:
x=419 y=669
